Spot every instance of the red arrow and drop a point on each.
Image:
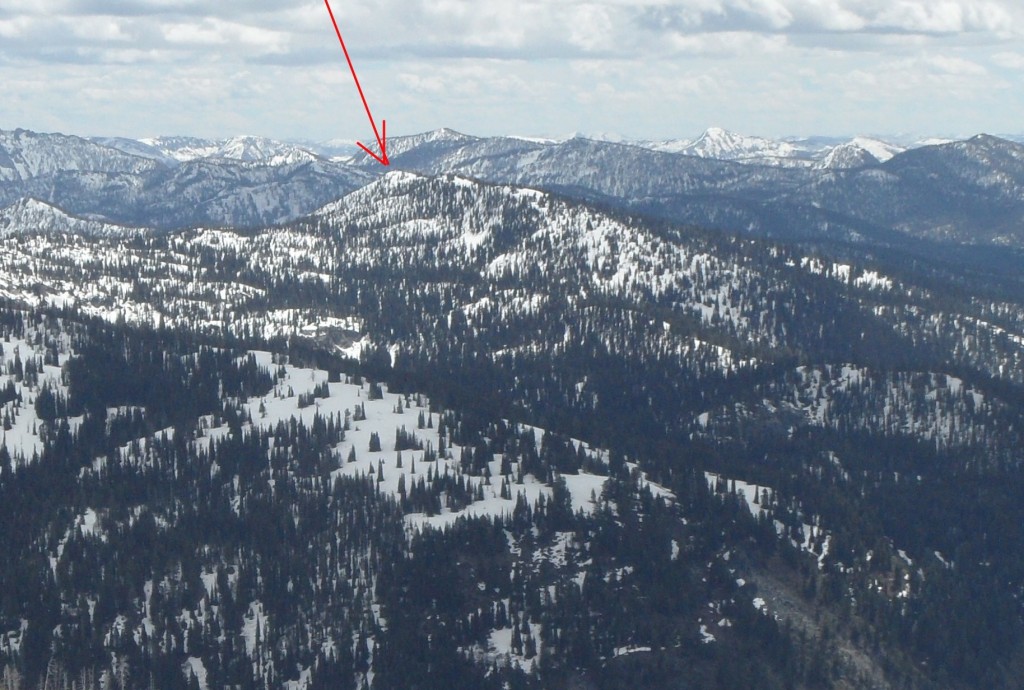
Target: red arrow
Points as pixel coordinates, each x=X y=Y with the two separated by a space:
x=382 y=139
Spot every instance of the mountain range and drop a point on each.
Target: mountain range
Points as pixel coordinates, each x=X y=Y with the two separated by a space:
x=511 y=414
x=863 y=190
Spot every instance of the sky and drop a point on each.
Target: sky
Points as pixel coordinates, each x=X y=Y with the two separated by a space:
x=641 y=69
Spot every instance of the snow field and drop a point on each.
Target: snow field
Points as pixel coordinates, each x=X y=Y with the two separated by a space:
x=384 y=419
x=22 y=439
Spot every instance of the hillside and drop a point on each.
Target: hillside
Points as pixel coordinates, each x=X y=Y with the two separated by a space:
x=441 y=432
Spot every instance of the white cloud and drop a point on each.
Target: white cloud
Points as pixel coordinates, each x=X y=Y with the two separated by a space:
x=219 y=32
x=942 y=64
x=194 y=33
x=591 y=27
x=944 y=16
x=1009 y=60
x=728 y=44
x=13 y=28
x=550 y=66
x=920 y=79
x=499 y=28
x=99 y=28
x=127 y=56
x=828 y=15
x=775 y=13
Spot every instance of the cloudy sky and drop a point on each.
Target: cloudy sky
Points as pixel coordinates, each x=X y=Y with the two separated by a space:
x=640 y=68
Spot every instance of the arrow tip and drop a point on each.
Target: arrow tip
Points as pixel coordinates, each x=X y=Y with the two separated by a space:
x=382 y=158
x=382 y=141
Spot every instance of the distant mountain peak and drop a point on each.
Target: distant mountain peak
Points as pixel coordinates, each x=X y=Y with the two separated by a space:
x=990 y=140
x=245 y=148
x=25 y=155
x=253 y=149
x=880 y=150
x=717 y=133
x=450 y=133
x=716 y=142
x=441 y=134
x=847 y=157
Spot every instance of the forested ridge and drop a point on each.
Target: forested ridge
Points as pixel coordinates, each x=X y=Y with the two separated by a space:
x=229 y=552
x=450 y=434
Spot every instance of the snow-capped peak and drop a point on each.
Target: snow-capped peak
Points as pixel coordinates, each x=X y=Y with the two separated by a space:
x=881 y=150
x=847 y=156
x=445 y=134
x=722 y=144
x=252 y=149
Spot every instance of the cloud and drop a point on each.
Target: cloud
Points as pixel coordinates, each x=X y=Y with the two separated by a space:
x=591 y=28
x=728 y=44
x=100 y=28
x=943 y=64
x=826 y=16
x=217 y=32
x=501 y=29
x=945 y=16
x=1009 y=60
x=547 y=66
x=15 y=27
x=920 y=77
x=829 y=16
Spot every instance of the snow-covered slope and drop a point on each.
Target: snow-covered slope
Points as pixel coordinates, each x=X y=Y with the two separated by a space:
x=722 y=144
x=395 y=470
x=135 y=147
x=881 y=150
x=25 y=155
x=439 y=137
x=669 y=145
x=21 y=431
x=822 y=152
x=333 y=149
x=265 y=151
x=33 y=216
x=771 y=189
x=182 y=148
x=846 y=156
x=246 y=149
x=172 y=182
x=427 y=149
x=722 y=180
